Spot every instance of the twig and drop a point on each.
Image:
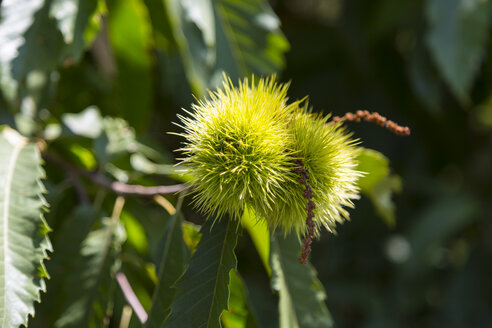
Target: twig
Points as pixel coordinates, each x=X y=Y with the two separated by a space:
x=115 y=186
x=130 y=296
x=373 y=118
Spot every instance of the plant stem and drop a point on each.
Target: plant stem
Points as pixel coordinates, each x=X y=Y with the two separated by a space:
x=130 y=296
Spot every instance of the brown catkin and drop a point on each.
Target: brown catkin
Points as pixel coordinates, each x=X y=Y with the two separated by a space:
x=364 y=115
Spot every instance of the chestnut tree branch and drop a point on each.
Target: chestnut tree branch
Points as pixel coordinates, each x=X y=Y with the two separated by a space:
x=117 y=187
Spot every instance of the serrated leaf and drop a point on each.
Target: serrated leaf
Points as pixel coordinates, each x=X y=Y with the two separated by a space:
x=174 y=260
x=91 y=283
x=23 y=230
x=67 y=241
x=457 y=38
x=202 y=292
x=378 y=184
x=301 y=294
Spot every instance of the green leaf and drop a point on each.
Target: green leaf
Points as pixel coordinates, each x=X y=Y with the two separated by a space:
x=15 y=18
x=67 y=242
x=88 y=123
x=239 y=314
x=457 y=38
x=238 y=37
x=191 y=235
x=260 y=234
x=131 y=38
x=117 y=138
x=173 y=263
x=23 y=230
x=202 y=292
x=43 y=46
x=90 y=284
x=73 y=18
x=143 y=164
x=302 y=295
x=249 y=40
x=441 y=220
x=378 y=184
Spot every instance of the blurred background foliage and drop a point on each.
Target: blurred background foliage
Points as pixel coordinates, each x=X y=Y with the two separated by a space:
x=102 y=81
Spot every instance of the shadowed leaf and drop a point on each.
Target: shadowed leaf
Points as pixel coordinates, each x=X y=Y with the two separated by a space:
x=301 y=294
x=202 y=292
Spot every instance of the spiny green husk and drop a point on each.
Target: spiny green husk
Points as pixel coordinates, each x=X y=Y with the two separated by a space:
x=239 y=147
x=327 y=154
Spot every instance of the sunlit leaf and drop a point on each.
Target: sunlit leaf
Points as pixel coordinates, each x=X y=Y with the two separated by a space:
x=191 y=235
x=130 y=36
x=239 y=314
x=301 y=294
x=88 y=123
x=260 y=234
x=15 y=18
x=23 y=230
x=202 y=292
x=377 y=183
x=135 y=232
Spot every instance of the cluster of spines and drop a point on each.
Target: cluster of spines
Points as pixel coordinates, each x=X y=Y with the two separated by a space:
x=310 y=206
x=364 y=115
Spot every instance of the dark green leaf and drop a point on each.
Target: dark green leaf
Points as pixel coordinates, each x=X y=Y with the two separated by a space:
x=436 y=224
x=457 y=38
x=302 y=295
x=91 y=283
x=202 y=293
x=67 y=243
x=175 y=256
x=23 y=230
